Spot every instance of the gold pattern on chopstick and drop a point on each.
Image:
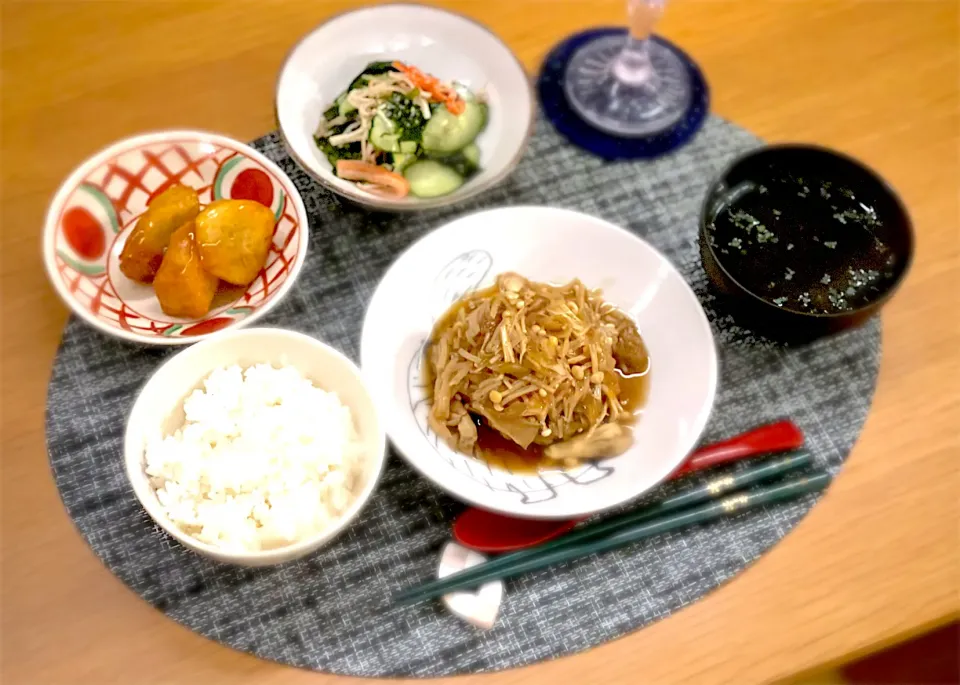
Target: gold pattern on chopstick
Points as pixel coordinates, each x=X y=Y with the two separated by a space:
x=734 y=503
x=719 y=485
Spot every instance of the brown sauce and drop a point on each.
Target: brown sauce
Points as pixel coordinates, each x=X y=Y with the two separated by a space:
x=456 y=307
x=500 y=452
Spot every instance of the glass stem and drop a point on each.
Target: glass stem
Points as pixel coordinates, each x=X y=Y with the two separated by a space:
x=633 y=66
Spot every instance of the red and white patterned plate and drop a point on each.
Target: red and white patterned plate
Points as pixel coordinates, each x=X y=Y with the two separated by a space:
x=95 y=209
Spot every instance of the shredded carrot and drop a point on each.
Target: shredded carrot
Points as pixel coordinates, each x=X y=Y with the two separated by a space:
x=376 y=179
x=433 y=87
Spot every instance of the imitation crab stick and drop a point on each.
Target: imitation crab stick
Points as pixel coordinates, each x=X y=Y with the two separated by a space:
x=382 y=181
x=432 y=85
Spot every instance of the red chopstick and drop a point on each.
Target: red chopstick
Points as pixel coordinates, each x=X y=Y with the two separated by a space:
x=775 y=437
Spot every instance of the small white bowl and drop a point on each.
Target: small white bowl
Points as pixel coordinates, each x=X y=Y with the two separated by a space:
x=447 y=45
x=550 y=245
x=158 y=411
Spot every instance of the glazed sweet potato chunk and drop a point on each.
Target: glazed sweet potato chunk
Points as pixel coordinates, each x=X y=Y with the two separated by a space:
x=234 y=238
x=182 y=285
x=143 y=251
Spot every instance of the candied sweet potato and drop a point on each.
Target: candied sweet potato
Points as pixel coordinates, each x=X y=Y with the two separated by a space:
x=234 y=237
x=183 y=287
x=143 y=251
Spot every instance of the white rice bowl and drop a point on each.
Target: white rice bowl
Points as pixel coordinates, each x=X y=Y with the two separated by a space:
x=264 y=459
x=255 y=446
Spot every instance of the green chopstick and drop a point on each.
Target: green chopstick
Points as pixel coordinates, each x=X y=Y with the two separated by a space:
x=688 y=497
x=544 y=558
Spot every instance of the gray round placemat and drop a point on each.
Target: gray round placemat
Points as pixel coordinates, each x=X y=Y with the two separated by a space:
x=330 y=612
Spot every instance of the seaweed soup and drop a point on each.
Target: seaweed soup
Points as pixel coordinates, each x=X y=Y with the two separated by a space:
x=804 y=243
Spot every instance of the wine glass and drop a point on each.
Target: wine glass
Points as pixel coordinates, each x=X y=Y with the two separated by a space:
x=632 y=87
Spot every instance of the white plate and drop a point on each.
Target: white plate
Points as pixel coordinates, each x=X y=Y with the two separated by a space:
x=552 y=245
x=447 y=45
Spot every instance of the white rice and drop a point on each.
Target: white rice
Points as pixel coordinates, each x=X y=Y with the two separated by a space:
x=264 y=459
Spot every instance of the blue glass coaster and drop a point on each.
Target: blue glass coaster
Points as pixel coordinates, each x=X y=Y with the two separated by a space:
x=552 y=85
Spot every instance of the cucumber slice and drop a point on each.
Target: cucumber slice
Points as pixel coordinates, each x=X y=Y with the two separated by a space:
x=408 y=146
x=432 y=179
x=401 y=160
x=345 y=108
x=336 y=109
x=465 y=162
x=446 y=132
x=383 y=137
x=471 y=153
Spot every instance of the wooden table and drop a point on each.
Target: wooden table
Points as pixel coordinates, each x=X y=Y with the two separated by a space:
x=877 y=560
